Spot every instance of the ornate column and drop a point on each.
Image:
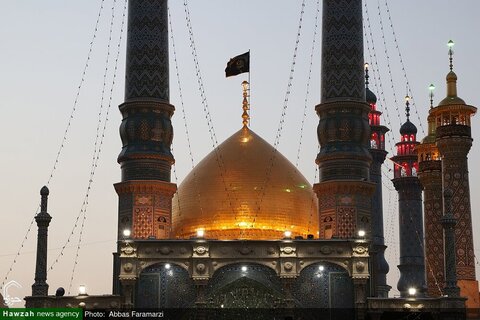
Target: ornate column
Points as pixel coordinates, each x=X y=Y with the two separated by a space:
x=128 y=289
x=360 y=289
x=360 y=275
x=343 y=131
x=454 y=140
x=40 y=287
x=448 y=222
x=145 y=192
x=430 y=176
x=128 y=272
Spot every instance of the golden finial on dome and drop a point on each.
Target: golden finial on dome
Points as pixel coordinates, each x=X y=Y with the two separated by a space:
x=245 y=104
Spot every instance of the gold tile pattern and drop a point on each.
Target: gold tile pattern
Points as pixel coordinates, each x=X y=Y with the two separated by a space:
x=239 y=192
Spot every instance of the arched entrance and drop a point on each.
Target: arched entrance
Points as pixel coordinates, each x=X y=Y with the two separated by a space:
x=244 y=286
x=164 y=285
x=323 y=285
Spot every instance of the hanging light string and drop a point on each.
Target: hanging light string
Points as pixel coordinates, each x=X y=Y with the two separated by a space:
x=185 y=123
x=420 y=239
x=391 y=237
x=417 y=232
x=389 y=68
x=97 y=151
x=84 y=244
x=216 y=148
x=421 y=242
x=180 y=91
x=77 y=96
x=63 y=140
x=312 y=51
x=404 y=70
x=389 y=186
x=377 y=81
x=278 y=135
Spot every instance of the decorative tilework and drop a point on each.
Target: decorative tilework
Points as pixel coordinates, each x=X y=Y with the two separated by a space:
x=162 y=287
x=329 y=287
x=342 y=51
x=147 y=71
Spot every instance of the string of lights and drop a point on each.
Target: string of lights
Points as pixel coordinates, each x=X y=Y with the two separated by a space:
x=98 y=150
x=278 y=135
x=389 y=68
x=180 y=91
x=307 y=94
x=184 y=118
x=84 y=244
x=64 y=138
x=377 y=79
x=92 y=170
x=404 y=70
x=389 y=186
x=419 y=239
x=391 y=237
x=208 y=117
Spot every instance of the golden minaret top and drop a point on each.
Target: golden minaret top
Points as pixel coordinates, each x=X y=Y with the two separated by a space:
x=245 y=104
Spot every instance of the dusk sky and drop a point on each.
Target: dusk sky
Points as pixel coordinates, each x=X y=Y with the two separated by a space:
x=42 y=57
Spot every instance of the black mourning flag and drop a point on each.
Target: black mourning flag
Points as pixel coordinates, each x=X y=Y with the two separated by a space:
x=237 y=65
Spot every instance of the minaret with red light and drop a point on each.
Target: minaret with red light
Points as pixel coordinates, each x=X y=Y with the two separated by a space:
x=454 y=139
x=406 y=182
x=430 y=175
x=377 y=150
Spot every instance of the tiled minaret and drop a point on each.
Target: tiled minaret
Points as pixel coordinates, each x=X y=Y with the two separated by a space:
x=454 y=140
x=145 y=193
x=430 y=175
x=377 y=150
x=343 y=130
x=406 y=182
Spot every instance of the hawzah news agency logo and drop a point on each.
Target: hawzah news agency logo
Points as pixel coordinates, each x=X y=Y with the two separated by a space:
x=10 y=300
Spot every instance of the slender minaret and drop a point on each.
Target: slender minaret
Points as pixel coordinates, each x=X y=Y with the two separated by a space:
x=454 y=140
x=145 y=192
x=40 y=287
x=343 y=131
x=430 y=175
x=377 y=150
x=412 y=264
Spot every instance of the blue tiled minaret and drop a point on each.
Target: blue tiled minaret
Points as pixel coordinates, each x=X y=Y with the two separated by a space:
x=344 y=189
x=343 y=130
x=145 y=192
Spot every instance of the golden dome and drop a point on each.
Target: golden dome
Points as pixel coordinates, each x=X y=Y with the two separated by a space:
x=229 y=203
